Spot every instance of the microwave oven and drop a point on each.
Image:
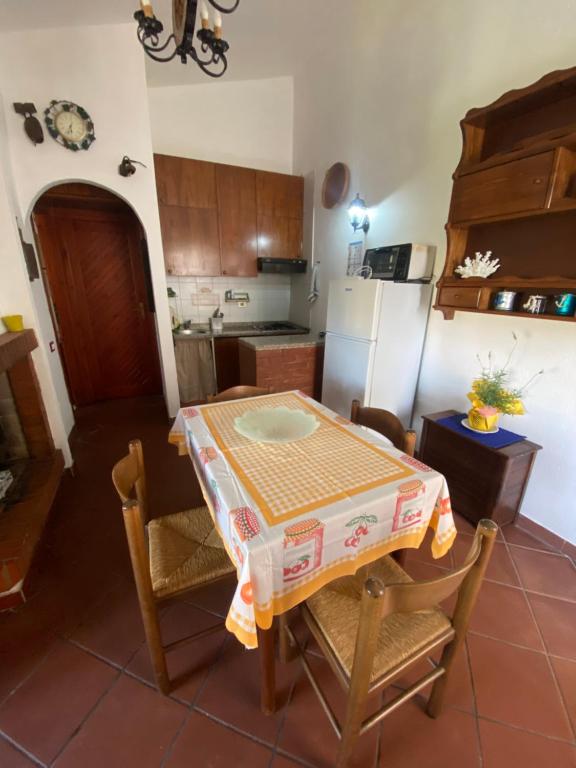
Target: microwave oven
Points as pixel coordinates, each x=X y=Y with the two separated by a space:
x=401 y=263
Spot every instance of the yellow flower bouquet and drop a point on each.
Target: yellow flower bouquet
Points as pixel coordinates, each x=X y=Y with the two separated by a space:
x=492 y=395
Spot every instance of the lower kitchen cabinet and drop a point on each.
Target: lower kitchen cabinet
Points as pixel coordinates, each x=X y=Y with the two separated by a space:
x=195 y=369
x=282 y=366
x=227 y=363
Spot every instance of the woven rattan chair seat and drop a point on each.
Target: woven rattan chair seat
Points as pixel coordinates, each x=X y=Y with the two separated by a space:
x=185 y=551
x=336 y=610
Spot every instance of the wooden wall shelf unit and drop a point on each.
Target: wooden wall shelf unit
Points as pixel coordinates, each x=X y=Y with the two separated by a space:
x=514 y=194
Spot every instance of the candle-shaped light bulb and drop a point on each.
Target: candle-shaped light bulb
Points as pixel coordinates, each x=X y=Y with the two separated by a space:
x=146 y=6
x=204 y=16
x=218 y=25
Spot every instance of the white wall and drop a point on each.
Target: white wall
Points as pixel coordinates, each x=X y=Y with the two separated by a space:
x=247 y=123
x=386 y=96
x=19 y=296
x=101 y=68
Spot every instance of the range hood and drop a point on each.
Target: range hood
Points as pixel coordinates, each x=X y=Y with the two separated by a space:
x=281 y=266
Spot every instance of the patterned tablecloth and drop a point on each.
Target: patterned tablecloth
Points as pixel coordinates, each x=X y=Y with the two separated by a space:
x=295 y=516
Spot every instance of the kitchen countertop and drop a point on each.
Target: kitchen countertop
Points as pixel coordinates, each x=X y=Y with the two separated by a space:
x=236 y=330
x=292 y=340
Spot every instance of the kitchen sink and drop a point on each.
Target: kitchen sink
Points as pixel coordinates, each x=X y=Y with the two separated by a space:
x=190 y=332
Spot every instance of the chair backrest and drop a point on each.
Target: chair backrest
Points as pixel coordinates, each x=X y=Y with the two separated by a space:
x=129 y=480
x=129 y=477
x=387 y=424
x=380 y=600
x=237 y=393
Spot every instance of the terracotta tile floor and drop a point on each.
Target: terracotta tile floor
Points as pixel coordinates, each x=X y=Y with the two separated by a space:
x=75 y=681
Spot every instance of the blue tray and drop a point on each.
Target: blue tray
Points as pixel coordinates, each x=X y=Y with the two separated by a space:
x=499 y=439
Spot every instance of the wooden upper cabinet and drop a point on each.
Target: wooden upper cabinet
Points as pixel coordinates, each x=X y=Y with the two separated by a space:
x=181 y=181
x=279 y=237
x=190 y=240
x=279 y=200
x=278 y=194
x=217 y=219
x=236 y=195
x=521 y=185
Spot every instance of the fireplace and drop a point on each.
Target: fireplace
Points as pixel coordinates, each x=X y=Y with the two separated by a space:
x=28 y=460
x=13 y=449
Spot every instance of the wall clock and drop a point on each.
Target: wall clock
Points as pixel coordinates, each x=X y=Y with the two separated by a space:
x=69 y=124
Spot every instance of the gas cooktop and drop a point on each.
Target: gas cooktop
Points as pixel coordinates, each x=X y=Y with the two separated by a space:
x=275 y=326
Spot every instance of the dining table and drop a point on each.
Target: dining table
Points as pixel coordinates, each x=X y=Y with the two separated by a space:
x=294 y=514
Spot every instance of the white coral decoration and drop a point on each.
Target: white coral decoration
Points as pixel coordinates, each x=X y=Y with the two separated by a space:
x=481 y=266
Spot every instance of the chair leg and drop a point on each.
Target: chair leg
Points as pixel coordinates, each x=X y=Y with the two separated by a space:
x=141 y=567
x=286 y=651
x=436 y=699
x=350 y=729
x=401 y=556
x=155 y=649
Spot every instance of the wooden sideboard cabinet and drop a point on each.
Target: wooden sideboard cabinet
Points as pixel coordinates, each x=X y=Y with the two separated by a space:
x=483 y=481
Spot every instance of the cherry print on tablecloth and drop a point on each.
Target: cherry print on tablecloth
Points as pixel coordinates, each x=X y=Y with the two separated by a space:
x=361 y=524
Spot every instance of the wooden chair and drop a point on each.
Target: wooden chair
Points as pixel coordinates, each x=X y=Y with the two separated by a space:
x=371 y=631
x=387 y=424
x=170 y=555
x=237 y=393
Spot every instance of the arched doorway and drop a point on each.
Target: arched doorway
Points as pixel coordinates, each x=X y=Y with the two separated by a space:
x=95 y=265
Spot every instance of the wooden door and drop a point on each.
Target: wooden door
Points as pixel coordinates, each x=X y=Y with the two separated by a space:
x=236 y=194
x=96 y=272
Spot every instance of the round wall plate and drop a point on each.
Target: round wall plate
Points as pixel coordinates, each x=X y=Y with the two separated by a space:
x=336 y=183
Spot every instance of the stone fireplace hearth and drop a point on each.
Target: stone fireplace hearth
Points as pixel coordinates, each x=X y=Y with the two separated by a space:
x=26 y=446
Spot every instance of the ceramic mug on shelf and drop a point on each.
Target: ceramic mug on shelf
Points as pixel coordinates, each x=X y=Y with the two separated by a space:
x=565 y=304
x=504 y=301
x=13 y=323
x=535 y=304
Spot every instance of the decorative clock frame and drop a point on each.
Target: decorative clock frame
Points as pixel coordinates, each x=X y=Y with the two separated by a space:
x=50 y=116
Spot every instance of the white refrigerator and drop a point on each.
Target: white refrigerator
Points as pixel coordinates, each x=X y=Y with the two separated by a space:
x=374 y=337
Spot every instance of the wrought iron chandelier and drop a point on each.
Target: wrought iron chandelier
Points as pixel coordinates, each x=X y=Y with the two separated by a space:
x=212 y=57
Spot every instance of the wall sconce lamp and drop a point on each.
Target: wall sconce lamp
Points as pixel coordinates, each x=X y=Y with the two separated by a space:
x=358 y=214
x=127 y=167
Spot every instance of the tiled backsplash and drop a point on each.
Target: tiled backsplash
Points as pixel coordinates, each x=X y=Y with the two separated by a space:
x=198 y=297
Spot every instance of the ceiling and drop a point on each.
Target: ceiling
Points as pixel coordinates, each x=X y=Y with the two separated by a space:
x=265 y=36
